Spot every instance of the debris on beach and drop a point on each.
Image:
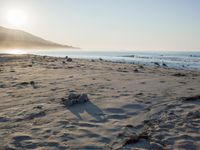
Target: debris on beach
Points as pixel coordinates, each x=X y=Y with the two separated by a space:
x=74 y=99
x=129 y=135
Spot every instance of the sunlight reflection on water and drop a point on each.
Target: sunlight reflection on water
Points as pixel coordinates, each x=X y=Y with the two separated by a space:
x=16 y=52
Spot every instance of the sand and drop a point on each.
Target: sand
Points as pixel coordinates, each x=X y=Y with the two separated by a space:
x=129 y=107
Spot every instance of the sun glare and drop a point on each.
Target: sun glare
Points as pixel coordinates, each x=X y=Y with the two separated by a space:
x=16 y=17
x=17 y=52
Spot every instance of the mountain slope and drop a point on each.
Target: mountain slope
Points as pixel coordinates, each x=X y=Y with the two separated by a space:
x=11 y=38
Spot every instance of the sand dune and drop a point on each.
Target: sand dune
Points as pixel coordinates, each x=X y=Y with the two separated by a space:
x=129 y=106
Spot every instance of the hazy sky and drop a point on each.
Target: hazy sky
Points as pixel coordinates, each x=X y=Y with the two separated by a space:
x=111 y=24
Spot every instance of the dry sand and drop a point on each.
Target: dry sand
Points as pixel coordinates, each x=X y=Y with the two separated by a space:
x=130 y=106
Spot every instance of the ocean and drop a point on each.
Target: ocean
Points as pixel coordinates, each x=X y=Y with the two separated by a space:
x=178 y=60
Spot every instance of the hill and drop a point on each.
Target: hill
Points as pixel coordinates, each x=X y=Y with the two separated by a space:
x=11 y=38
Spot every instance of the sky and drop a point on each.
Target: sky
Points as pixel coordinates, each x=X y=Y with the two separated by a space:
x=162 y=25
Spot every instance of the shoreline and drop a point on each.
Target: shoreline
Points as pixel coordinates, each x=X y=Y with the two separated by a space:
x=182 y=60
x=151 y=64
x=129 y=106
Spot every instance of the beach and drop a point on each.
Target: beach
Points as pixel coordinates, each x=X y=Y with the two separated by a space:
x=129 y=106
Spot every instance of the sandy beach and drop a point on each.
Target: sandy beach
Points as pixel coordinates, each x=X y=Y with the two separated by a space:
x=128 y=107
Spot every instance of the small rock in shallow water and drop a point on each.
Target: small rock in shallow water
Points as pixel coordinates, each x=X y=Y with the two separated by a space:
x=157 y=64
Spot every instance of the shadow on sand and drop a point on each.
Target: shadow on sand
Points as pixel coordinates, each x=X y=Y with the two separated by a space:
x=89 y=108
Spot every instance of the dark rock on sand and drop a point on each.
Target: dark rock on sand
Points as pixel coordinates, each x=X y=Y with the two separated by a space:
x=38 y=107
x=136 y=70
x=164 y=64
x=24 y=83
x=32 y=82
x=157 y=64
x=192 y=98
x=69 y=59
x=179 y=75
x=74 y=99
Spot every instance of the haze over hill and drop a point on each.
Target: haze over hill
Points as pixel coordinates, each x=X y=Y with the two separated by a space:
x=11 y=38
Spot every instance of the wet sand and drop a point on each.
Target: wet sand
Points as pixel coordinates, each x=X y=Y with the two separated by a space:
x=129 y=107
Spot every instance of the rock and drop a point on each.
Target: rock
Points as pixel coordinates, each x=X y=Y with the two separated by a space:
x=141 y=67
x=139 y=94
x=74 y=99
x=24 y=83
x=179 y=75
x=66 y=57
x=136 y=70
x=157 y=64
x=38 y=107
x=69 y=59
x=164 y=64
x=192 y=98
x=32 y=82
x=100 y=59
x=83 y=98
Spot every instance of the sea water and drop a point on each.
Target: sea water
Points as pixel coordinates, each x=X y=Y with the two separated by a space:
x=179 y=60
